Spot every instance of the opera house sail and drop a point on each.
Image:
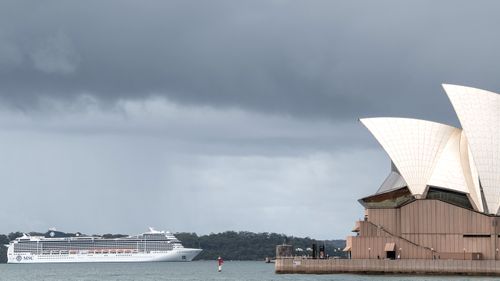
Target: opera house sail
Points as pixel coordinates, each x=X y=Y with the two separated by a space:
x=441 y=198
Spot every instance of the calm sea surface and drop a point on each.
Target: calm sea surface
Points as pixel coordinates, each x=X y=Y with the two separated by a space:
x=193 y=271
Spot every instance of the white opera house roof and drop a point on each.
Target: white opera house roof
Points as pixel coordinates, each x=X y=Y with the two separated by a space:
x=428 y=157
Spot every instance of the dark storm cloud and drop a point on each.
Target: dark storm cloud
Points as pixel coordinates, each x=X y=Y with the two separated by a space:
x=311 y=58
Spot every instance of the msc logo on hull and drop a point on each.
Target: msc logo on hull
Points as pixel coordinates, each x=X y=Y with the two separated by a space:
x=20 y=258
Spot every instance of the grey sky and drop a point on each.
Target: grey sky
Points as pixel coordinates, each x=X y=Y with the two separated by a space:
x=215 y=115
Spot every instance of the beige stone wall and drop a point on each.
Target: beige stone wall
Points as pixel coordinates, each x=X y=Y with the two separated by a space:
x=389 y=218
x=427 y=228
x=434 y=216
x=373 y=248
x=409 y=266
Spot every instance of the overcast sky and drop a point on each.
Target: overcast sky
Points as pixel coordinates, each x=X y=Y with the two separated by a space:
x=206 y=116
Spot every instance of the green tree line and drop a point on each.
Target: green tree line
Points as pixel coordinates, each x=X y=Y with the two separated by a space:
x=230 y=245
x=4 y=240
x=244 y=245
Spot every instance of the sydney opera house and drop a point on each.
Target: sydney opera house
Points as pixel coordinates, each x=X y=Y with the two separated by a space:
x=441 y=199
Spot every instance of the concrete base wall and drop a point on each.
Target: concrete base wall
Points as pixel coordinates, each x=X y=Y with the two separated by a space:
x=373 y=266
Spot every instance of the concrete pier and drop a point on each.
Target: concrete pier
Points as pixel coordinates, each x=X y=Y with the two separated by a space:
x=384 y=266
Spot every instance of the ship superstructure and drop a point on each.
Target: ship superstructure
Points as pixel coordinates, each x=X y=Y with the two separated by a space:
x=59 y=247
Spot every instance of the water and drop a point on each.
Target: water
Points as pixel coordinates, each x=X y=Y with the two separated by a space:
x=193 y=271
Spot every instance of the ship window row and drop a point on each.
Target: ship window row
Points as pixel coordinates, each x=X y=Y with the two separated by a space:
x=34 y=243
x=148 y=244
x=99 y=241
x=41 y=247
x=93 y=241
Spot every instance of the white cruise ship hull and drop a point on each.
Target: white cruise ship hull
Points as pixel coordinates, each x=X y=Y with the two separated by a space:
x=176 y=255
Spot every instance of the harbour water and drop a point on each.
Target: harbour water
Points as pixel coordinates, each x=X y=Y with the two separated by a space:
x=193 y=271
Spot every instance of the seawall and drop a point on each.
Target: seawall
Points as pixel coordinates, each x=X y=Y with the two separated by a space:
x=383 y=266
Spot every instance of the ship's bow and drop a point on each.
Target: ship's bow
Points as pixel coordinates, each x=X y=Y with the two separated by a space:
x=191 y=253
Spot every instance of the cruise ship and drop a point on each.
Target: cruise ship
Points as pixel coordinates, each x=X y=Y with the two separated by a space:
x=59 y=247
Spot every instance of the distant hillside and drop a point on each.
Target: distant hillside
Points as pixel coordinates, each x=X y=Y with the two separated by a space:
x=245 y=245
x=230 y=245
